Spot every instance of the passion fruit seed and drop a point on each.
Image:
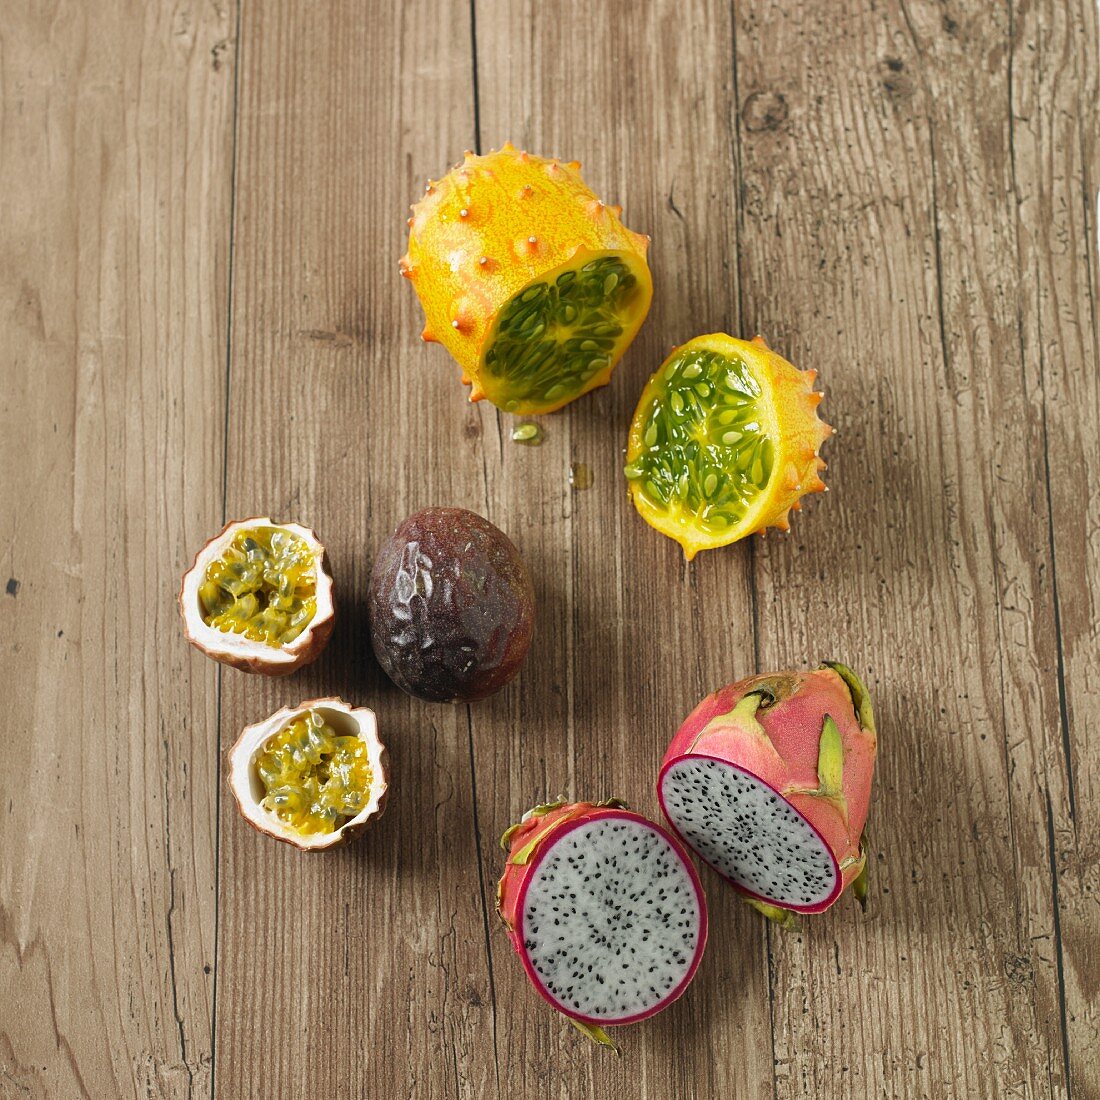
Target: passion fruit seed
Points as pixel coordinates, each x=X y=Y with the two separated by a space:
x=553 y=337
x=264 y=586
x=704 y=448
x=314 y=778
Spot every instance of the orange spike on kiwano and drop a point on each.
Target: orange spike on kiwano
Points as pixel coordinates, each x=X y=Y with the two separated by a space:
x=530 y=282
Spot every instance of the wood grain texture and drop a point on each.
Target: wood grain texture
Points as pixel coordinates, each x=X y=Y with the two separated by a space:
x=339 y=419
x=888 y=261
x=901 y=195
x=115 y=179
x=1055 y=156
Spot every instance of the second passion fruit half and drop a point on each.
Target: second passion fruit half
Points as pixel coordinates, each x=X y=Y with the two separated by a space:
x=724 y=442
x=313 y=776
x=259 y=597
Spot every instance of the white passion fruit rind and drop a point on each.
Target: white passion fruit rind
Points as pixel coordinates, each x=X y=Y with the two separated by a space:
x=258 y=597
x=314 y=775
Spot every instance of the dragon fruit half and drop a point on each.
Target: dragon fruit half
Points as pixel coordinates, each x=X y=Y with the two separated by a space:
x=604 y=909
x=769 y=781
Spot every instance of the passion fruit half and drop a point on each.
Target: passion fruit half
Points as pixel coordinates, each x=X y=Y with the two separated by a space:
x=314 y=775
x=259 y=597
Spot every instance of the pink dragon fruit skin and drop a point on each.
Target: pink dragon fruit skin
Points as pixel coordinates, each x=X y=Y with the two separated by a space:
x=775 y=728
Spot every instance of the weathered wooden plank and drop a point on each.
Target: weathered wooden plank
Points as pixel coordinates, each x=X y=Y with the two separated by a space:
x=629 y=637
x=880 y=233
x=901 y=197
x=115 y=158
x=1054 y=70
x=362 y=972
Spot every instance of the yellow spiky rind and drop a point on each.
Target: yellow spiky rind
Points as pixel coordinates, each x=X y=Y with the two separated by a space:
x=490 y=227
x=788 y=407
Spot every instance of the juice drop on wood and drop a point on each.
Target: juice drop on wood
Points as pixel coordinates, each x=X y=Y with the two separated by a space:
x=580 y=475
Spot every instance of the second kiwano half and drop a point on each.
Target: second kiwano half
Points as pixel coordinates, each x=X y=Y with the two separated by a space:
x=724 y=442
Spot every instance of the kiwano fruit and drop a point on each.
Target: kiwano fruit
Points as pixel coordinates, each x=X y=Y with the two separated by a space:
x=532 y=283
x=724 y=442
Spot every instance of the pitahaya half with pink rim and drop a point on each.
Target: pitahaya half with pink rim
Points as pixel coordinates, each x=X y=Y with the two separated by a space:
x=604 y=909
x=769 y=781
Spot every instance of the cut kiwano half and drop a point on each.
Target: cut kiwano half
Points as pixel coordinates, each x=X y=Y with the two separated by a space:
x=605 y=911
x=532 y=283
x=313 y=775
x=724 y=442
x=258 y=597
x=769 y=781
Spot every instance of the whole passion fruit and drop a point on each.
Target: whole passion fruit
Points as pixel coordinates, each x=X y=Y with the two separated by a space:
x=451 y=607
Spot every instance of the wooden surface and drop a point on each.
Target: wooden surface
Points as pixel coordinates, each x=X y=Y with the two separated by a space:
x=201 y=210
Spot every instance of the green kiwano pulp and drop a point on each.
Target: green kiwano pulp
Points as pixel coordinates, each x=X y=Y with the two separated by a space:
x=554 y=337
x=703 y=447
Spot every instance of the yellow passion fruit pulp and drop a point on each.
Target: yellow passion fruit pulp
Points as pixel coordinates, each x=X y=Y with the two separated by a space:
x=314 y=779
x=264 y=586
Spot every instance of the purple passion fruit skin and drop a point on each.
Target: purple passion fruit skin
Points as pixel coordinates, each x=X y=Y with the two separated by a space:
x=452 y=608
